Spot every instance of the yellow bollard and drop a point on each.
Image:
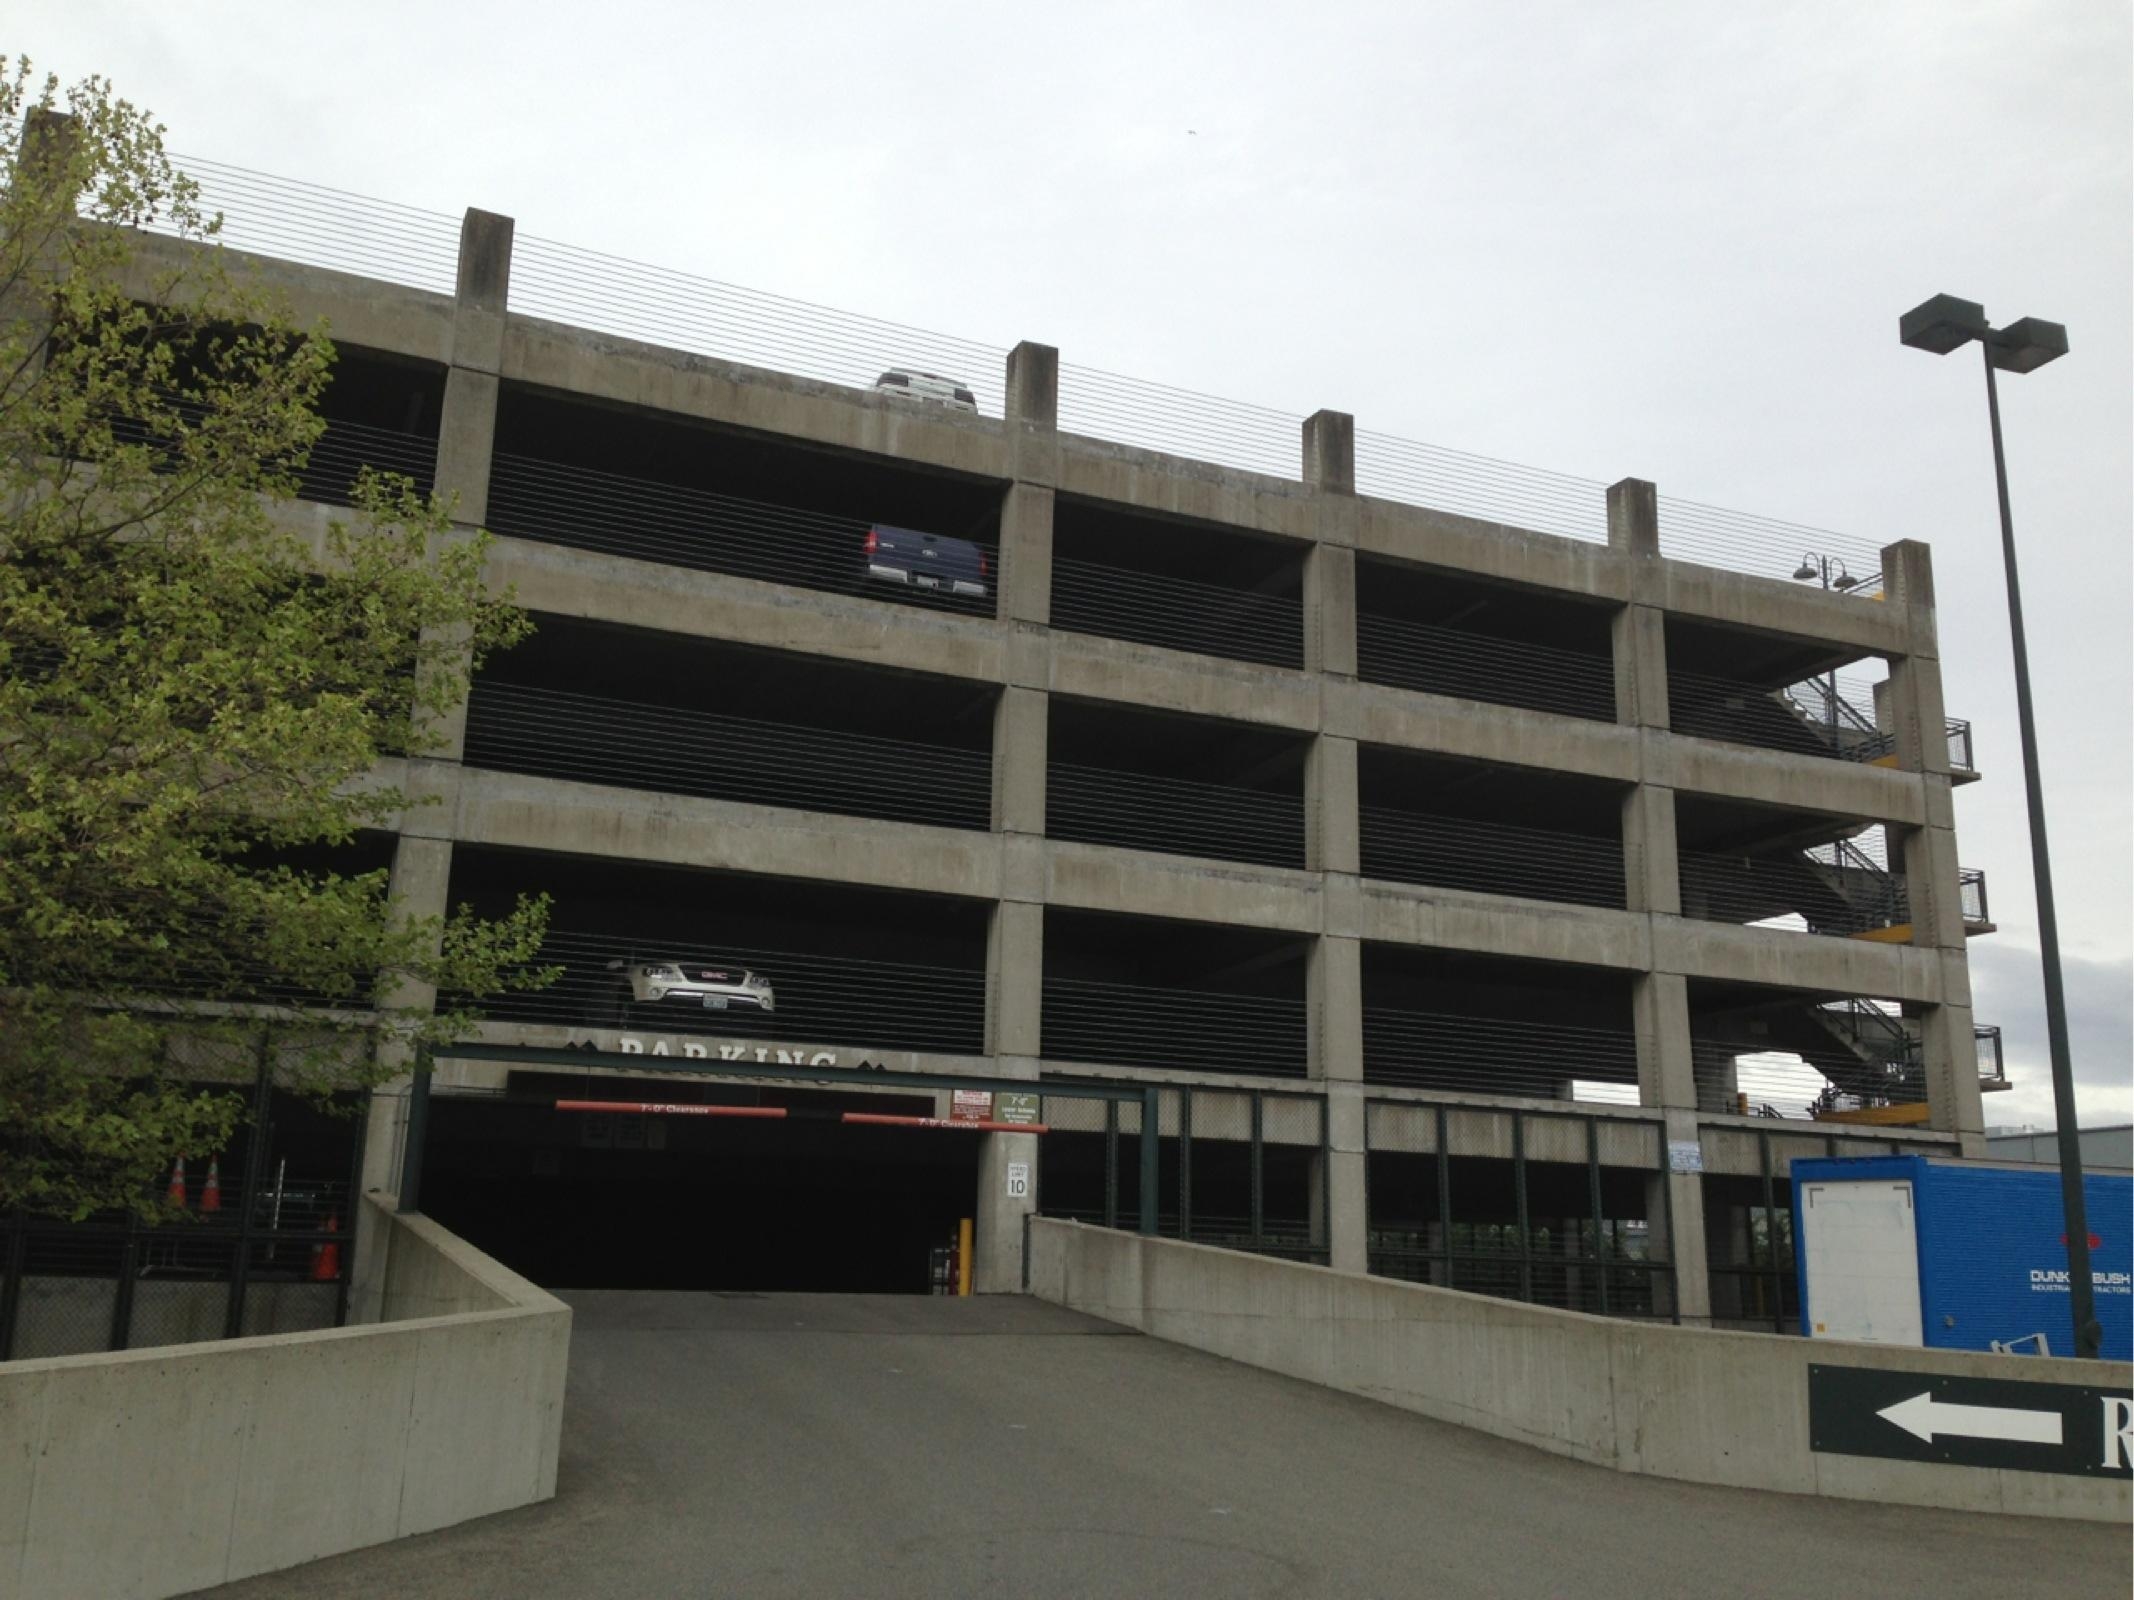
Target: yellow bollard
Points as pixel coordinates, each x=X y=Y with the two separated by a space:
x=963 y=1256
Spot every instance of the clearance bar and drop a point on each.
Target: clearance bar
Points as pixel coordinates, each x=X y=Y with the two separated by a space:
x=868 y=1119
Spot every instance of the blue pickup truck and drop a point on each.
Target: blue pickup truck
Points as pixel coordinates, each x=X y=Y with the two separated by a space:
x=927 y=561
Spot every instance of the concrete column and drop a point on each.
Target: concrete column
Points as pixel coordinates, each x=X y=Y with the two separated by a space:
x=1019 y=739
x=1348 y=1222
x=1910 y=705
x=1332 y=823
x=466 y=429
x=1659 y=1006
x=1015 y=975
x=1026 y=555
x=1033 y=404
x=1652 y=873
x=1640 y=631
x=1033 y=396
x=1682 y=1193
x=1330 y=451
x=1329 y=466
x=421 y=878
x=997 y=1247
x=419 y=887
x=1949 y=1048
x=1334 y=1059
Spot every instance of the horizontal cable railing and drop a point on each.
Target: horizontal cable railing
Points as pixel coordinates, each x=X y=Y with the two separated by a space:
x=1136 y=1025
x=677 y=526
x=679 y=750
x=819 y=998
x=703 y=316
x=1177 y=613
x=1971 y=894
x=1489 y=490
x=346 y=448
x=1491 y=857
x=1766 y=546
x=612 y=294
x=1491 y=1055
x=1102 y=805
x=1474 y=666
x=1759 y=889
x=1179 y=422
x=320 y=227
x=1959 y=732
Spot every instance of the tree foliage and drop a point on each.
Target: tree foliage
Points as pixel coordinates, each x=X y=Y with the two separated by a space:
x=200 y=686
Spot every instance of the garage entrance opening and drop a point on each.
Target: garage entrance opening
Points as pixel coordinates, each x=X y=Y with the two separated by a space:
x=642 y=1200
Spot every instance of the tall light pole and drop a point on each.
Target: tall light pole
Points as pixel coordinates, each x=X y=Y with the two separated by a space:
x=1940 y=325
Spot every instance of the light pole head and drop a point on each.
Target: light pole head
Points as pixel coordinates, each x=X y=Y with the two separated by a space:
x=1943 y=323
x=2027 y=345
x=1805 y=570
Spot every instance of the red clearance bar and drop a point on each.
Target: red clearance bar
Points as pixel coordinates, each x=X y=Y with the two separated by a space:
x=876 y=1119
x=768 y=1113
x=873 y=1119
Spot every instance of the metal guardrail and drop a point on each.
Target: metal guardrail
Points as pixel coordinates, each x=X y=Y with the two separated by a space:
x=1219 y=1148
x=317 y=226
x=1479 y=1220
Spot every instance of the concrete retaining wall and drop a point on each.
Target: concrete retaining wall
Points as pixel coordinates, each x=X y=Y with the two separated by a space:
x=154 y=1472
x=1708 y=1407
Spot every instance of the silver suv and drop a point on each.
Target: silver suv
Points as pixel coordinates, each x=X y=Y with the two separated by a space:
x=696 y=985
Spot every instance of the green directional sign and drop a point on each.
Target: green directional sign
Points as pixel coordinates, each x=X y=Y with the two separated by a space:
x=1020 y=1109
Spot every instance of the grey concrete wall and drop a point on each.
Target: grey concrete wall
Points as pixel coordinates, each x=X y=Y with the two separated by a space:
x=157 y=1472
x=1685 y=1403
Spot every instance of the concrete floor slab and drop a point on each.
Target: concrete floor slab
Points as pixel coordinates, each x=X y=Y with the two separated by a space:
x=821 y=1445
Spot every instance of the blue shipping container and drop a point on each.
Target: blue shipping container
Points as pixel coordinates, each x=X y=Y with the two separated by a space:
x=1991 y=1250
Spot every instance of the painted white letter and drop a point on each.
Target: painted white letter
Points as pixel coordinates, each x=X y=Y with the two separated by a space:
x=2118 y=1431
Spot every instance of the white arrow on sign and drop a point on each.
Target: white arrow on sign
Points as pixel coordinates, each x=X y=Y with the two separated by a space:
x=1923 y=1417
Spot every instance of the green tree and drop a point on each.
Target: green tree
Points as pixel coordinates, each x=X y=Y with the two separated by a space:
x=194 y=700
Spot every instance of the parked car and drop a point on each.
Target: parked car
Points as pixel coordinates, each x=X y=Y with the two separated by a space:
x=926 y=561
x=928 y=388
x=692 y=985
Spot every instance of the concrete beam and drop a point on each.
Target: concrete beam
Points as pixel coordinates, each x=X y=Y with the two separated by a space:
x=631 y=372
x=714 y=605
x=1174 y=486
x=527 y=813
x=1169 y=680
x=376 y=315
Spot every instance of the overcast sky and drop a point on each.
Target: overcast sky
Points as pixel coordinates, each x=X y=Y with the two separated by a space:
x=1666 y=240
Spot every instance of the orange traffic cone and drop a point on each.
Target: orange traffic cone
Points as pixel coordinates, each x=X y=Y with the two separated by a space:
x=326 y=1258
x=211 y=1194
x=176 y=1191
